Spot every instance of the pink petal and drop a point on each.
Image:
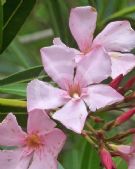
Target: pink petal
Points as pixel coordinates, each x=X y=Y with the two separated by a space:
x=10 y=132
x=82 y=23
x=124 y=149
x=57 y=41
x=13 y=160
x=94 y=67
x=43 y=160
x=116 y=36
x=131 y=164
x=39 y=121
x=59 y=63
x=41 y=95
x=101 y=95
x=54 y=142
x=72 y=115
x=121 y=63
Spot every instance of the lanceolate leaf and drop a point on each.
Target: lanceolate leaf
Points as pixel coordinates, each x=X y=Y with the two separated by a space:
x=1 y=23
x=14 y=13
x=14 y=89
x=25 y=76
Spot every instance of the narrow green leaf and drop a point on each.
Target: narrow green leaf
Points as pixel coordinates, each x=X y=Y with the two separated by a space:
x=24 y=76
x=90 y=158
x=121 y=13
x=15 y=89
x=15 y=13
x=1 y=23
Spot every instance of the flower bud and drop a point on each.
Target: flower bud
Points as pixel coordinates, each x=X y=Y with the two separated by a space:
x=129 y=84
x=116 y=82
x=124 y=117
x=106 y=159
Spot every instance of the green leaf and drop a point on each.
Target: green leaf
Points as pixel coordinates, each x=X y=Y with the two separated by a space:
x=121 y=13
x=90 y=158
x=25 y=76
x=15 y=89
x=1 y=23
x=14 y=13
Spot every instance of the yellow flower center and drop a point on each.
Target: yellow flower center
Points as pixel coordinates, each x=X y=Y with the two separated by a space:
x=33 y=141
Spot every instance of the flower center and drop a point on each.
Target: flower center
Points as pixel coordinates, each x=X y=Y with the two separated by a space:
x=33 y=141
x=74 y=91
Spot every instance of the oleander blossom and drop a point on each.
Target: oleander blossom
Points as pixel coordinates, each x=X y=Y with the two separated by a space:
x=38 y=148
x=118 y=38
x=80 y=91
x=127 y=152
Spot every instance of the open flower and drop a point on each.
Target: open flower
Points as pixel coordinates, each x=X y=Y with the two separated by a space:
x=79 y=90
x=128 y=154
x=38 y=148
x=117 y=37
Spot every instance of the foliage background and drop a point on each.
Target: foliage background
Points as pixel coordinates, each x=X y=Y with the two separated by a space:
x=20 y=57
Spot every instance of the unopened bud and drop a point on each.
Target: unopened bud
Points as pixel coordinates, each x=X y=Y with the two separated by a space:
x=129 y=84
x=106 y=159
x=124 y=117
x=97 y=119
x=116 y=82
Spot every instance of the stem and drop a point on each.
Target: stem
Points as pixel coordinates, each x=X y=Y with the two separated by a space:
x=13 y=103
x=86 y=136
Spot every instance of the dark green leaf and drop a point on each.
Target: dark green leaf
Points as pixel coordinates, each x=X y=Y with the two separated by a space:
x=15 y=13
x=1 y=23
x=24 y=76
x=90 y=158
x=15 y=89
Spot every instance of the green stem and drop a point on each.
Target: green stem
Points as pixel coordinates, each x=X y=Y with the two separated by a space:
x=12 y=103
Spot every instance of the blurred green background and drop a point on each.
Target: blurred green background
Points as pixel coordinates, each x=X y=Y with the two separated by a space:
x=35 y=24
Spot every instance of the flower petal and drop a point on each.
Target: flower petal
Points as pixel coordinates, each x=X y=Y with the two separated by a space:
x=117 y=36
x=101 y=95
x=57 y=41
x=121 y=63
x=12 y=159
x=41 y=95
x=82 y=23
x=59 y=63
x=131 y=164
x=43 y=161
x=10 y=132
x=54 y=142
x=94 y=67
x=39 y=121
x=72 y=115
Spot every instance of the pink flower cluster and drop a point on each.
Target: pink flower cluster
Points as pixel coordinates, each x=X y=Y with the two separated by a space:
x=78 y=75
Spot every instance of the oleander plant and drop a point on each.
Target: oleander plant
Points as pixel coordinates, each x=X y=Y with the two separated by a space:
x=67 y=84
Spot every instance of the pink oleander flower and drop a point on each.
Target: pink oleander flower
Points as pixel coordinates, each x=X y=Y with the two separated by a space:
x=127 y=152
x=36 y=149
x=79 y=91
x=118 y=38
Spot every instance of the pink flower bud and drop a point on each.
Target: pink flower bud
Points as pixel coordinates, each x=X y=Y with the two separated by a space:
x=129 y=84
x=124 y=117
x=116 y=82
x=106 y=159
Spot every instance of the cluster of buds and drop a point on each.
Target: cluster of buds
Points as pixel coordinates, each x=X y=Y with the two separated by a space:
x=110 y=147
